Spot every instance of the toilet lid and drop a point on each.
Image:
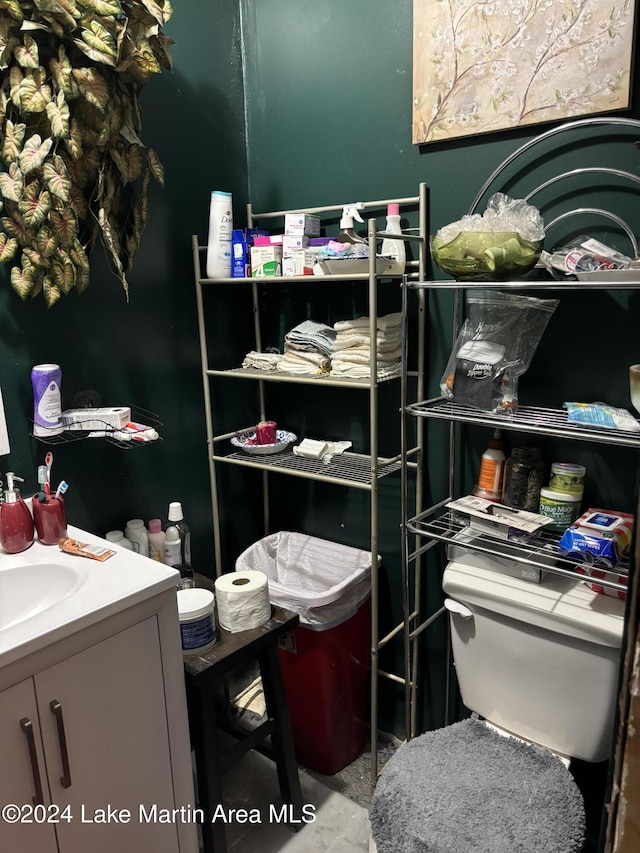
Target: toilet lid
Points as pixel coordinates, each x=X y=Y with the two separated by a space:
x=467 y=789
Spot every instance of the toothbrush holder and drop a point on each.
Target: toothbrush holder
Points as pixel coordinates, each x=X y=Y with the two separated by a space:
x=50 y=519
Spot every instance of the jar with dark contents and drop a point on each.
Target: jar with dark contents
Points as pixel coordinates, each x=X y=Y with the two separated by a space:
x=524 y=474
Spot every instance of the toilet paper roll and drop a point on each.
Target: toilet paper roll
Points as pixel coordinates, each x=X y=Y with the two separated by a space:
x=243 y=600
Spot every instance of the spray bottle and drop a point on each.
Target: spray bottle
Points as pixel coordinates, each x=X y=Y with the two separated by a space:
x=16 y=524
x=347 y=234
x=393 y=250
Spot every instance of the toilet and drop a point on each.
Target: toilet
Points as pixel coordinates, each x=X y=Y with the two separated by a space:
x=538 y=662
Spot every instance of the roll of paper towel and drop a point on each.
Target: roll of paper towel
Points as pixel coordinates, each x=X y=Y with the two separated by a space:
x=243 y=600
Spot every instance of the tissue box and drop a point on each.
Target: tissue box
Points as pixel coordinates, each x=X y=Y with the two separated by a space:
x=498 y=520
x=291 y=244
x=296 y=224
x=114 y=417
x=500 y=561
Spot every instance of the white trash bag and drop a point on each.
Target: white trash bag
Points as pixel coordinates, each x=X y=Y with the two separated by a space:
x=322 y=581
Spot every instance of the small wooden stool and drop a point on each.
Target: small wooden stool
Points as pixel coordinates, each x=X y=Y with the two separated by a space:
x=205 y=680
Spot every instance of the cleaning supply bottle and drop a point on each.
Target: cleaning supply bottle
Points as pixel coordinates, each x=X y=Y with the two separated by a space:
x=491 y=470
x=16 y=524
x=156 y=540
x=177 y=541
x=346 y=233
x=220 y=234
x=393 y=250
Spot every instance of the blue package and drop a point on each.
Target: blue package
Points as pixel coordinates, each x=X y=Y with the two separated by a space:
x=592 y=550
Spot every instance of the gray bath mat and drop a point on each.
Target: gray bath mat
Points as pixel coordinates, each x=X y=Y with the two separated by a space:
x=467 y=789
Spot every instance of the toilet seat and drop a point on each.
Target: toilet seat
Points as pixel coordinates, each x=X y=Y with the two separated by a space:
x=467 y=788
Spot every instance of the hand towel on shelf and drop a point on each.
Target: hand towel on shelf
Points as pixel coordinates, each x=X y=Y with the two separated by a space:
x=304 y=363
x=262 y=360
x=363 y=371
x=362 y=355
x=386 y=323
x=308 y=332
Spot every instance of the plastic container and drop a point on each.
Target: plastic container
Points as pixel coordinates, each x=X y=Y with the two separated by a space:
x=325 y=660
x=394 y=249
x=567 y=477
x=491 y=474
x=136 y=533
x=197 y=623
x=117 y=537
x=562 y=507
x=156 y=540
x=524 y=474
x=220 y=235
x=46 y=380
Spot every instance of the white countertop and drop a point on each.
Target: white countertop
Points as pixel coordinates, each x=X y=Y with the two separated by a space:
x=81 y=592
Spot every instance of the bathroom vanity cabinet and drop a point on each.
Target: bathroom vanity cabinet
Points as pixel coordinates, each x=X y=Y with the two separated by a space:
x=94 y=737
x=353 y=470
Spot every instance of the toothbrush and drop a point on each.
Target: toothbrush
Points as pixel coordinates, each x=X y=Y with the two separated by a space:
x=48 y=461
x=62 y=488
x=42 y=479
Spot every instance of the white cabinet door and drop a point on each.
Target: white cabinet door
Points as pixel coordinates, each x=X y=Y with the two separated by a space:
x=106 y=741
x=23 y=775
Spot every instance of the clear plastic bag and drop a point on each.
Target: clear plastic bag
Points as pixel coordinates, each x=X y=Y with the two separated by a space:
x=494 y=348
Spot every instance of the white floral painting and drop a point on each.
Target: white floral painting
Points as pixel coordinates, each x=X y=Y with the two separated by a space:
x=486 y=65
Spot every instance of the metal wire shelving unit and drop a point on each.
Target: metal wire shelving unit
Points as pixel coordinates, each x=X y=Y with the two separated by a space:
x=424 y=528
x=351 y=470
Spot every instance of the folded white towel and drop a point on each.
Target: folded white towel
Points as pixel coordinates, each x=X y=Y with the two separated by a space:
x=355 y=355
x=363 y=371
x=261 y=360
x=387 y=323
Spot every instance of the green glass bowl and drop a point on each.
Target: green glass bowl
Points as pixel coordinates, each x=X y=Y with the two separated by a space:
x=485 y=255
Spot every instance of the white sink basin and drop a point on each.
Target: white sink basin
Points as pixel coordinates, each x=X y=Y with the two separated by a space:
x=29 y=589
x=47 y=594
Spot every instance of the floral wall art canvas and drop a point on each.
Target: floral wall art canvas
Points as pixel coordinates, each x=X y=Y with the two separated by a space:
x=487 y=65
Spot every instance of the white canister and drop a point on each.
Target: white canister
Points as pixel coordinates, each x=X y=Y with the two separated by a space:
x=136 y=533
x=117 y=537
x=197 y=624
x=46 y=380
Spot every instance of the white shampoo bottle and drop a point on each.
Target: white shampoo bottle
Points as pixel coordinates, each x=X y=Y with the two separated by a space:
x=220 y=232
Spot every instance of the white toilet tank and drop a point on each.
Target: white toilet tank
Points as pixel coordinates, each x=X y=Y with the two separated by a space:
x=538 y=660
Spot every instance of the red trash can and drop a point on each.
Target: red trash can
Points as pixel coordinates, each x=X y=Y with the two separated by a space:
x=325 y=660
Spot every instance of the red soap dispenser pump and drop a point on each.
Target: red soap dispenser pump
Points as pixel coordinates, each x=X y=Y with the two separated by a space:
x=16 y=523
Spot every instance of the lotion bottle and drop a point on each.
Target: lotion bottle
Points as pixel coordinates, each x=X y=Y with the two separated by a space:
x=136 y=533
x=393 y=250
x=177 y=541
x=156 y=540
x=220 y=234
x=16 y=523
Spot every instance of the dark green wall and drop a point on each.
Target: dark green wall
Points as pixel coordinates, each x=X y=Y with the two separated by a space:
x=145 y=352
x=329 y=108
x=327 y=119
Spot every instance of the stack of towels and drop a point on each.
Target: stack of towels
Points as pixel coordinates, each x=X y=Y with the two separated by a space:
x=308 y=348
x=352 y=352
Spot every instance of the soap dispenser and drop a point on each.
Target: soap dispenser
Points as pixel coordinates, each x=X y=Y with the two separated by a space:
x=16 y=523
x=347 y=234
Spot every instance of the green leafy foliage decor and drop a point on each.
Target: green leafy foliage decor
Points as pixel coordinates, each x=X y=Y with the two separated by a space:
x=75 y=168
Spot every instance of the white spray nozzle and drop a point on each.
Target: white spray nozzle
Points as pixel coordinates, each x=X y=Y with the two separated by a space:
x=351 y=212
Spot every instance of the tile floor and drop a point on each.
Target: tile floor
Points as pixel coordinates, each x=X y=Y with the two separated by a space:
x=340 y=825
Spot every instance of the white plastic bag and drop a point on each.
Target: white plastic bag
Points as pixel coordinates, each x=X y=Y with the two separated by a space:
x=322 y=581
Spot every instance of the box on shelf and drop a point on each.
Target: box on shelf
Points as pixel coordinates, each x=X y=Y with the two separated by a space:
x=266 y=261
x=498 y=520
x=112 y=417
x=293 y=243
x=299 y=262
x=268 y=240
x=502 y=558
x=301 y=223
x=241 y=243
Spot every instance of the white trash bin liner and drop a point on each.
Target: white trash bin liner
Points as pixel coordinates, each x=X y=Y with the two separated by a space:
x=322 y=581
